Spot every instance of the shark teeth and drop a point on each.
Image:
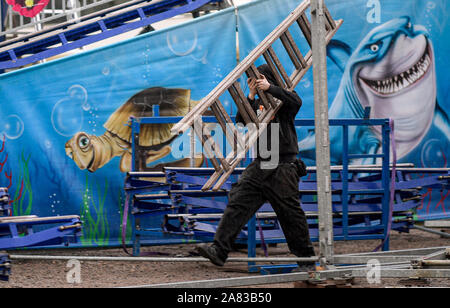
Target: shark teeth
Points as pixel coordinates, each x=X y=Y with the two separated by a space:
x=403 y=80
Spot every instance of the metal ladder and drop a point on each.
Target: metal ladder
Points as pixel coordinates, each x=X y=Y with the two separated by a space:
x=241 y=143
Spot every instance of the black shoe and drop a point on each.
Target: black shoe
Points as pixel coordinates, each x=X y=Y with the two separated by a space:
x=305 y=267
x=210 y=252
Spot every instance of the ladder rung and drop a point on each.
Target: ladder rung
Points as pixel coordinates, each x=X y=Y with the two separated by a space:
x=295 y=48
x=305 y=26
x=216 y=149
x=279 y=66
x=198 y=129
x=329 y=20
x=228 y=120
x=243 y=100
x=290 y=50
x=212 y=180
x=241 y=109
x=253 y=72
x=251 y=140
x=297 y=75
x=275 y=72
x=222 y=118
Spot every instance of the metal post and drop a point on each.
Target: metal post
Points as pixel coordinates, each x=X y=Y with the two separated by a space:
x=192 y=148
x=251 y=240
x=322 y=131
x=386 y=181
x=344 y=175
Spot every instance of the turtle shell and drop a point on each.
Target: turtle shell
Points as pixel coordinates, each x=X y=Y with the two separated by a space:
x=172 y=102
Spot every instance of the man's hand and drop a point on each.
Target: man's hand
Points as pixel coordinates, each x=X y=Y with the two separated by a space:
x=252 y=86
x=262 y=83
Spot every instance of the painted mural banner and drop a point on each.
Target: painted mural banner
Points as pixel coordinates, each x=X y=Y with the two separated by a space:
x=390 y=56
x=65 y=143
x=64 y=139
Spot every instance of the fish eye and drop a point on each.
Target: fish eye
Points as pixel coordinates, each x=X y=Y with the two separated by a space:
x=374 y=47
x=409 y=25
x=83 y=142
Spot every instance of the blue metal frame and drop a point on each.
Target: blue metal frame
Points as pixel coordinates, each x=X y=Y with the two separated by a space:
x=15 y=234
x=18 y=232
x=195 y=180
x=373 y=190
x=68 y=39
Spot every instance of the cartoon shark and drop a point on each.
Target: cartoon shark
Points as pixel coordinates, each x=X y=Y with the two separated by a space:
x=392 y=71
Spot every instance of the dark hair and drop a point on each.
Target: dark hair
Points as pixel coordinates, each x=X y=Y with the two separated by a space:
x=267 y=71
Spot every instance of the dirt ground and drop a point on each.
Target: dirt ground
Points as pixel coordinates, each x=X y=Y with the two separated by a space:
x=103 y=274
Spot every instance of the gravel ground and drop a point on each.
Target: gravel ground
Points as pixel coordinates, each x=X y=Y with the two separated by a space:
x=104 y=274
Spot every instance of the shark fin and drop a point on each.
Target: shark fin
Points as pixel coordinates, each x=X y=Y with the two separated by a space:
x=339 y=52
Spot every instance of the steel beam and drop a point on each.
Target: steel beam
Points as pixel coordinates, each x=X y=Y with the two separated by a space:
x=322 y=131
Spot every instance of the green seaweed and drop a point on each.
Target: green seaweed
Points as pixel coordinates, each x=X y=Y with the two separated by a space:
x=94 y=216
x=23 y=193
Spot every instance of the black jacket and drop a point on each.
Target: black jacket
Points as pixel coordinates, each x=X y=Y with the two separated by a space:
x=288 y=143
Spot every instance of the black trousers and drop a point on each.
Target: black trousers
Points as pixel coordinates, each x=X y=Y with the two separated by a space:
x=279 y=186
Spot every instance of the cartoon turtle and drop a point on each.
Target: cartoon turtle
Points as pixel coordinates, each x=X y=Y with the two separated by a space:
x=93 y=152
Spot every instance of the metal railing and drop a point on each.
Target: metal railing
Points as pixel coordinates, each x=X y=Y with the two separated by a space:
x=56 y=11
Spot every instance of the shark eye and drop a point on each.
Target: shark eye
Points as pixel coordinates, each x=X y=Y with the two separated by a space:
x=409 y=25
x=374 y=47
x=83 y=142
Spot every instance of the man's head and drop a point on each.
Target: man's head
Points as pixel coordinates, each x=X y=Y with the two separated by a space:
x=267 y=72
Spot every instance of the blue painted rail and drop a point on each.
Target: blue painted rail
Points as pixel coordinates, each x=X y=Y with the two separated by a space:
x=19 y=231
x=90 y=29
